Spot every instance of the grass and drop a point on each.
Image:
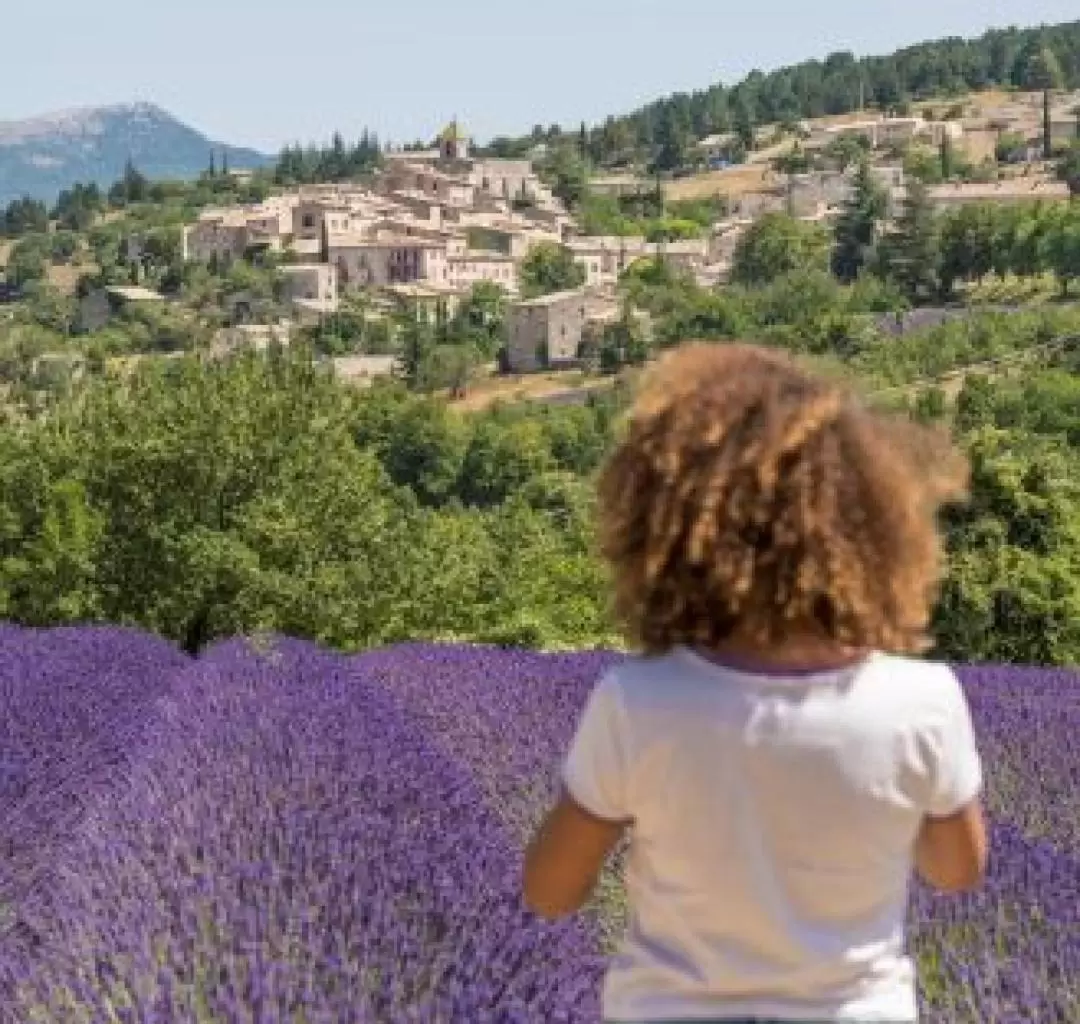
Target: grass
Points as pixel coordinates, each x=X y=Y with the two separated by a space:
x=525 y=387
x=735 y=181
x=1011 y=290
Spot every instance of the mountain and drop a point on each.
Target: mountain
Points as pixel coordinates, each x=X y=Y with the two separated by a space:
x=42 y=155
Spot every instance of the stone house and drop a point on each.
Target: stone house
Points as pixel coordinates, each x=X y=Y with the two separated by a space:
x=605 y=257
x=221 y=235
x=505 y=179
x=546 y=331
x=362 y=261
x=313 y=219
x=689 y=254
x=309 y=283
x=467 y=268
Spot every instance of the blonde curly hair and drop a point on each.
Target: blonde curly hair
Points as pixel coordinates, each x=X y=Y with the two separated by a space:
x=748 y=496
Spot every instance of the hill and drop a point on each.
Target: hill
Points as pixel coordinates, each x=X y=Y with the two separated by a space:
x=41 y=156
x=659 y=133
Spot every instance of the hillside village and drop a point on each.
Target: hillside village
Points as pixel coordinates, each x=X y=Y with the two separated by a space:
x=433 y=223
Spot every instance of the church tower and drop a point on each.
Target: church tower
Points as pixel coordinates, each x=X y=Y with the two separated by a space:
x=453 y=143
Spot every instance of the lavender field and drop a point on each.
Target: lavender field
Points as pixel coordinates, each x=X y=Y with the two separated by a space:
x=277 y=833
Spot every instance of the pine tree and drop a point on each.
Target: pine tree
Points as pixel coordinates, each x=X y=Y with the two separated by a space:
x=1048 y=127
x=856 y=228
x=224 y=163
x=211 y=171
x=583 y=141
x=948 y=164
x=910 y=254
x=744 y=125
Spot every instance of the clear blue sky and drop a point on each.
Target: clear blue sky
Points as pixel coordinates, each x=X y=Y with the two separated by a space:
x=263 y=72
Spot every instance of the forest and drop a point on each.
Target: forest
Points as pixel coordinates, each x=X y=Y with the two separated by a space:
x=1031 y=58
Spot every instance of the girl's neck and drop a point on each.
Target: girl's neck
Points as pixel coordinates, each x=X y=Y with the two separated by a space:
x=796 y=654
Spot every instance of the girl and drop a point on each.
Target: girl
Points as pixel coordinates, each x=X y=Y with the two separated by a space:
x=778 y=760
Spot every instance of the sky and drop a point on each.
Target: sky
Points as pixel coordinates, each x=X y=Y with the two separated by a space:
x=266 y=72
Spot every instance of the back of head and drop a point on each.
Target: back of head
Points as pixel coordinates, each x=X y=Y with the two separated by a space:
x=750 y=497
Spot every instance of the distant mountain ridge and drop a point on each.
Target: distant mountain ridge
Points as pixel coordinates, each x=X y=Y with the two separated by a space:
x=41 y=155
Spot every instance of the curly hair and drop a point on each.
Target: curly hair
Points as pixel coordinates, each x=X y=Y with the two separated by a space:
x=750 y=497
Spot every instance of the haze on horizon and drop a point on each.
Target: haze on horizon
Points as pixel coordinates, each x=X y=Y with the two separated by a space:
x=280 y=71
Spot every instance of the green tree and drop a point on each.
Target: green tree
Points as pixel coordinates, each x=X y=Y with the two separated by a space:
x=777 y=244
x=909 y=254
x=673 y=139
x=500 y=458
x=967 y=240
x=1068 y=168
x=424 y=450
x=1037 y=68
x=1063 y=247
x=549 y=267
x=24 y=216
x=856 y=228
x=623 y=343
x=27 y=261
x=744 y=125
x=568 y=175
x=480 y=319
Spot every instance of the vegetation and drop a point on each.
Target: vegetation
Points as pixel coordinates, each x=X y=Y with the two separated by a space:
x=661 y=133
x=549 y=268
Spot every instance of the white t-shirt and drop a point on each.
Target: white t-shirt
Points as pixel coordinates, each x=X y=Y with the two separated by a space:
x=774 y=822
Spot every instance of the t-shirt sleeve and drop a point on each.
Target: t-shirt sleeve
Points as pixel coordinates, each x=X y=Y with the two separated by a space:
x=595 y=769
x=956 y=772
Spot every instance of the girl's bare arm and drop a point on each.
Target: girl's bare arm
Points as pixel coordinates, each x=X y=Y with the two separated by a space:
x=565 y=857
x=951 y=853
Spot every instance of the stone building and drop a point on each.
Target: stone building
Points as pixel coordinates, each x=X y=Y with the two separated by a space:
x=546 y=332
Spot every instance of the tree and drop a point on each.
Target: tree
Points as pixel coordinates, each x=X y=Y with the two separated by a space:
x=1063 y=247
x=948 y=159
x=1068 y=168
x=673 y=138
x=1048 y=127
x=1037 y=68
x=856 y=228
x=24 y=216
x=744 y=126
x=777 y=244
x=568 y=176
x=27 y=261
x=966 y=244
x=623 y=343
x=480 y=318
x=417 y=339
x=909 y=254
x=549 y=267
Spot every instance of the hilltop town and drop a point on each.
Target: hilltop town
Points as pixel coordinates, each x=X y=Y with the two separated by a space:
x=431 y=224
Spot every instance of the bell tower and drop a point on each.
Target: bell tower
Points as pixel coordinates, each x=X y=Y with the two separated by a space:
x=453 y=143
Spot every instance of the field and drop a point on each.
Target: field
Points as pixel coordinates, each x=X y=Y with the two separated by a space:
x=528 y=387
x=735 y=181
x=277 y=833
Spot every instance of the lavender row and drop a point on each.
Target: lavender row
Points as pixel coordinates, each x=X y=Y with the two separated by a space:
x=1010 y=951
x=291 y=847
x=508 y=715
x=72 y=705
